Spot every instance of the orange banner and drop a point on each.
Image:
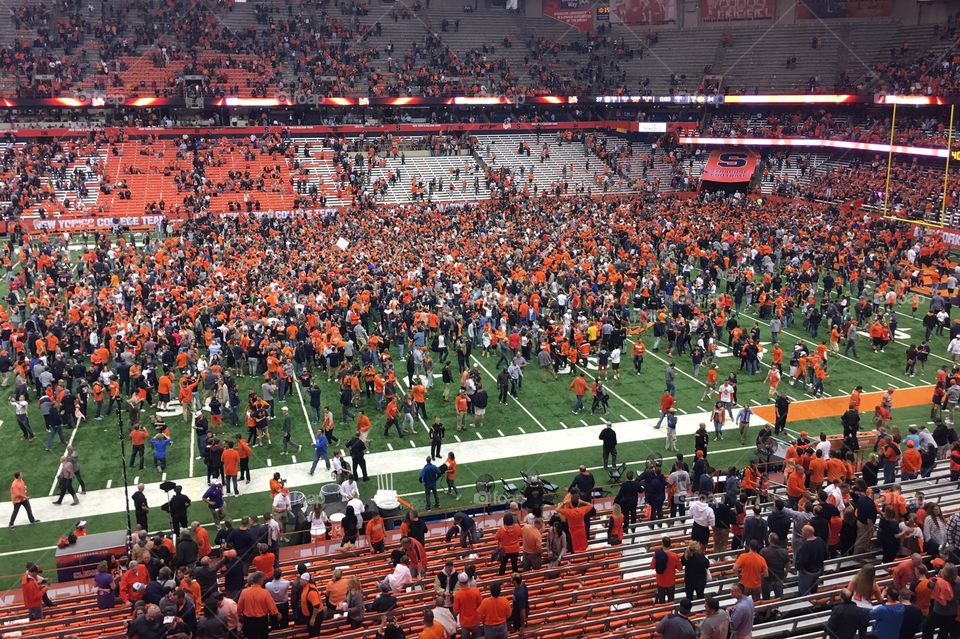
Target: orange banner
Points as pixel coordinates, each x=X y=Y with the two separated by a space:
x=730 y=166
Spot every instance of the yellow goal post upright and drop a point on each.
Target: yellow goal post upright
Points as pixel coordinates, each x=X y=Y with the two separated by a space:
x=950 y=155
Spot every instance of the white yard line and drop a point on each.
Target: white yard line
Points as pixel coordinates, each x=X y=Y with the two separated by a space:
x=678 y=369
x=193 y=444
x=306 y=416
x=856 y=361
x=522 y=407
x=73 y=435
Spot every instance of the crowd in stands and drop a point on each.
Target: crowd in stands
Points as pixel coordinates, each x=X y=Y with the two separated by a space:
x=916 y=130
x=929 y=73
x=110 y=175
x=916 y=188
x=294 y=47
x=291 y=48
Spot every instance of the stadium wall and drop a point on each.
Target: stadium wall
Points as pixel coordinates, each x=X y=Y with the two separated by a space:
x=693 y=14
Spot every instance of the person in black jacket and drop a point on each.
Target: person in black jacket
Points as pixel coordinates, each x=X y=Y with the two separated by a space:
x=701 y=440
x=187 y=550
x=782 y=404
x=234 y=576
x=847 y=619
x=870 y=471
x=609 y=438
x=584 y=482
x=478 y=406
x=533 y=495
x=866 y=511
x=851 y=422
x=206 y=575
x=811 y=556
x=177 y=506
x=912 y=616
x=695 y=568
x=778 y=521
x=755 y=528
x=416 y=529
x=628 y=498
x=358 y=450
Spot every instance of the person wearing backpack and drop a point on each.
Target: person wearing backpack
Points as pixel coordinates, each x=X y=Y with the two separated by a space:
x=311 y=605
x=891 y=459
x=665 y=563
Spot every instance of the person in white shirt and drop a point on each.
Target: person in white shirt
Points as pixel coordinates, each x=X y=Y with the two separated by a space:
x=444 y=617
x=318 y=520
x=615 y=362
x=281 y=510
x=348 y=488
x=20 y=406
x=336 y=465
x=704 y=519
x=926 y=438
x=824 y=446
x=954 y=349
x=726 y=397
x=357 y=504
x=401 y=576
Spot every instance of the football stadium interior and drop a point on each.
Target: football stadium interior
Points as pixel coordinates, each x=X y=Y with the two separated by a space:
x=573 y=319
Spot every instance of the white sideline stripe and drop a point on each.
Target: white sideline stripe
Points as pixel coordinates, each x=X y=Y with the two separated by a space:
x=404 y=459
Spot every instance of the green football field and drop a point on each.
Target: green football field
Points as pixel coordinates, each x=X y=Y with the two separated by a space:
x=543 y=405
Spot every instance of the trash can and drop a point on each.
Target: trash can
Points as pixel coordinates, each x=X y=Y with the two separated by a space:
x=298 y=501
x=390 y=511
x=299 y=532
x=330 y=493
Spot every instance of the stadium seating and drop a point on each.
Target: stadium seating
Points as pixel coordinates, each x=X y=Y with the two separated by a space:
x=250 y=34
x=600 y=594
